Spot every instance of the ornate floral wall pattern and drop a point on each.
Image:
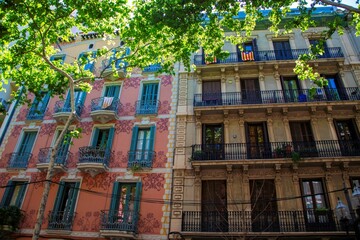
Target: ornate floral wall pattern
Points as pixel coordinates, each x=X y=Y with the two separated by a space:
x=127 y=109
x=90 y=222
x=37 y=178
x=47 y=129
x=71 y=161
x=86 y=127
x=16 y=131
x=165 y=107
x=153 y=181
x=4 y=178
x=22 y=114
x=29 y=219
x=86 y=111
x=119 y=160
x=162 y=124
x=166 y=80
x=160 y=160
x=98 y=85
x=132 y=82
x=48 y=114
x=149 y=224
x=124 y=126
x=103 y=180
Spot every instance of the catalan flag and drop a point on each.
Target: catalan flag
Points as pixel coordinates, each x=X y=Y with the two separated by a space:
x=247 y=56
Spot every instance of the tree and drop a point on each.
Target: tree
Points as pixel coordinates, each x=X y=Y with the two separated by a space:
x=157 y=31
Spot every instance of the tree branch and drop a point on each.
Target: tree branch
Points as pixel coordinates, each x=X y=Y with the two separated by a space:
x=341 y=5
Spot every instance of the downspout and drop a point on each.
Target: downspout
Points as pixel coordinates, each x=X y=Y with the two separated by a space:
x=11 y=115
x=172 y=167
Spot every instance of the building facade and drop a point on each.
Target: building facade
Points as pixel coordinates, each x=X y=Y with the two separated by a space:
x=112 y=182
x=259 y=155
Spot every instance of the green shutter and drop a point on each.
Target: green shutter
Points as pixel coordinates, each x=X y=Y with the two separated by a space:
x=95 y=137
x=133 y=143
x=115 y=197
x=21 y=195
x=152 y=143
x=67 y=104
x=59 y=196
x=110 y=139
x=137 y=200
x=9 y=188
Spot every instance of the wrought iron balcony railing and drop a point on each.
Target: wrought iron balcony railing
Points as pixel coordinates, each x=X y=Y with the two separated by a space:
x=260 y=221
x=147 y=106
x=19 y=159
x=36 y=113
x=119 y=63
x=273 y=150
x=141 y=158
x=105 y=103
x=152 y=68
x=94 y=155
x=61 y=220
x=63 y=106
x=119 y=220
x=60 y=158
x=276 y=96
x=270 y=55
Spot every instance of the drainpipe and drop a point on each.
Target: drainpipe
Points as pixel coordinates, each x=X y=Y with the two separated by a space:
x=7 y=120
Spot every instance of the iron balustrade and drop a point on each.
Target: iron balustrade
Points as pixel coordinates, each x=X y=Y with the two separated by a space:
x=276 y=96
x=19 y=159
x=119 y=220
x=118 y=63
x=273 y=150
x=260 y=221
x=111 y=104
x=141 y=158
x=152 y=68
x=63 y=106
x=61 y=220
x=61 y=156
x=270 y=55
x=94 y=155
x=36 y=113
x=147 y=106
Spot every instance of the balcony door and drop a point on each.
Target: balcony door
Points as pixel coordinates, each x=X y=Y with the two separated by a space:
x=348 y=136
x=291 y=90
x=303 y=139
x=258 y=146
x=334 y=90
x=211 y=92
x=214 y=206
x=264 y=214
x=213 y=141
x=318 y=216
x=250 y=91
x=282 y=50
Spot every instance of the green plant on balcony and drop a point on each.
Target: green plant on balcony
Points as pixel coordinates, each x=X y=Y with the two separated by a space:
x=10 y=218
x=295 y=157
x=136 y=167
x=321 y=211
x=197 y=155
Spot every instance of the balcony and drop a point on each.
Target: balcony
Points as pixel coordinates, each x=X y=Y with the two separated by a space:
x=275 y=150
x=36 y=113
x=61 y=220
x=113 y=74
x=147 y=107
x=266 y=222
x=270 y=55
x=118 y=224
x=93 y=160
x=19 y=160
x=62 y=111
x=276 y=97
x=60 y=159
x=152 y=68
x=142 y=159
x=104 y=109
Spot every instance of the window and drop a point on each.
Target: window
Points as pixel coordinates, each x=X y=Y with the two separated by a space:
x=60 y=57
x=282 y=50
x=250 y=91
x=249 y=53
x=303 y=139
x=348 y=136
x=257 y=138
x=148 y=103
x=14 y=194
x=213 y=141
x=142 y=147
x=79 y=97
x=38 y=108
x=211 y=95
x=335 y=90
x=20 y=158
x=124 y=206
x=86 y=59
x=109 y=101
x=62 y=215
x=314 y=42
x=119 y=61
x=291 y=90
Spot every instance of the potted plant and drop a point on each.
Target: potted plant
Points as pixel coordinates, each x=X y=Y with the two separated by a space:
x=295 y=157
x=279 y=152
x=321 y=211
x=10 y=218
x=198 y=155
x=135 y=167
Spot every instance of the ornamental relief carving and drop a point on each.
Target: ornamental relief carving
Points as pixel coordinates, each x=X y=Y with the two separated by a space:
x=311 y=171
x=214 y=174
